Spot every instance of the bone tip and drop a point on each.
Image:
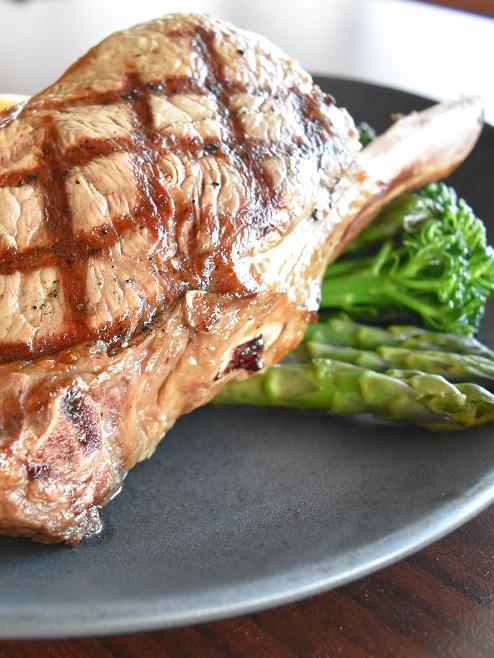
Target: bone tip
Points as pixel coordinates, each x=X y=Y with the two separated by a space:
x=473 y=104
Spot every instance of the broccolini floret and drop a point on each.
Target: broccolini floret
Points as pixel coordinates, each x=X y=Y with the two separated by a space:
x=425 y=259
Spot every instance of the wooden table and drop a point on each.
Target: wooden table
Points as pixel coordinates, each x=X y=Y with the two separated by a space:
x=436 y=604
x=441 y=601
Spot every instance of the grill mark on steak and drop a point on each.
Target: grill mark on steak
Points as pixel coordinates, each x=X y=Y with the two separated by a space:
x=154 y=206
x=155 y=200
x=169 y=84
x=71 y=253
x=28 y=260
x=33 y=258
x=236 y=137
x=19 y=178
x=58 y=222
x=315 y=133
x=175 y=84
x=87 y=150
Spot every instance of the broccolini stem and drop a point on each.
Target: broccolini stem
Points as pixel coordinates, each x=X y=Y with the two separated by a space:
x=379 y=291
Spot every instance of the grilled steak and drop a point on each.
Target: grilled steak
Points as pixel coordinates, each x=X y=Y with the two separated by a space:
x=167 y=209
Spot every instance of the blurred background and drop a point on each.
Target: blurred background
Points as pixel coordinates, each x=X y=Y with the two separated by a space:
x=418 y=46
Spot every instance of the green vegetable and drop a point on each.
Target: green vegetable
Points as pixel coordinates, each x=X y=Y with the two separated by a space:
x=366 y=133
x=454 y=367
x=341 y=388
x=426 y=258
x=399 y=373
x=341 y=330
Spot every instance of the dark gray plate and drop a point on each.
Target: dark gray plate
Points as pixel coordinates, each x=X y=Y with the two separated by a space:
x=245 y=508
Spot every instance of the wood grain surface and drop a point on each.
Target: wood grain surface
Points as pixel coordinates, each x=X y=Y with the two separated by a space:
x=437 y=603
x=477 y=6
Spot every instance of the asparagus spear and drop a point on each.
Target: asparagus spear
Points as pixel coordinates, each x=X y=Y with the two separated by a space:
x=341 y=330
x=341 y=388
x=452 y=366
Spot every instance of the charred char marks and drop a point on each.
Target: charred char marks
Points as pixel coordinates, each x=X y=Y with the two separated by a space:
x=237 y=140
x=210 y=148
x=247 y=356
x=80 y=413
x=58 y=222
x=38 y=471
x=19 y=178
x=30 y=259
x=173 y=84
x=69 y=253
x=132 y=94
x=137 y=97
x=154 y=198
x=316 y=134
x=155 y=87
x=87 y=150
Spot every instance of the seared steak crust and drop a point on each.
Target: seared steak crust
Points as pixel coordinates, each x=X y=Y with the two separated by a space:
x=72 y=425
x=144 y=202
x=157 y=164
x=167 y=209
